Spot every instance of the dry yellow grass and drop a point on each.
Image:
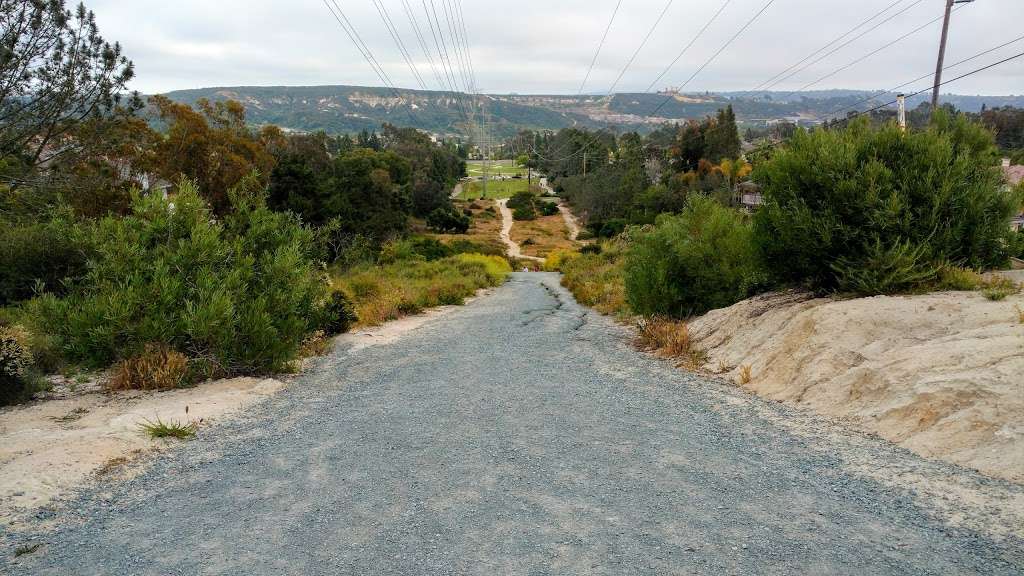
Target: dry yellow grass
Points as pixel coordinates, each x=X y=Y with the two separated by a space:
x=745 y=375
x=485 y=226
x=159 y=367
x=542 y=236
x=670 y=338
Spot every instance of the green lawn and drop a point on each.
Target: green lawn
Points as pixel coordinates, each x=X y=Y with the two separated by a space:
x=496 y=189
x=475 y=168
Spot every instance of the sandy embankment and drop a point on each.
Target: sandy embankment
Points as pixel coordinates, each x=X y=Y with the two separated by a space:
x=51 y=446
x=940 y=374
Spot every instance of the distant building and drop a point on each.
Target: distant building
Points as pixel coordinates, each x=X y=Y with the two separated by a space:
x=749 y=196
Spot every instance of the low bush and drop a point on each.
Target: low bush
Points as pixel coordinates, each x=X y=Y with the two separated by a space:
x=997 y=288
x=460 y=246
x=702 y=259
x=338 y=314
x=840 y=201
x=16 y=365
x=556 y=259
x=158 y=367
x=40 y=255
x=448 y=221
x=521 y=200
x=901 y=267
x=958 y=279
x=547 y=208
x=525 y=213
x=240 y=293
x=169 y=429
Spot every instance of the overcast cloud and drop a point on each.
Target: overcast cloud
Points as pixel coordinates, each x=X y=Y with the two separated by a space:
x=533 y=46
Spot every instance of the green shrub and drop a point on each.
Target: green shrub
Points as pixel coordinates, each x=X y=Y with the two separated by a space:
x=547 y=208
x=702 y=259
x=40 y=255
x=527 y=212
x=836 y=200
x=521 y=200
x=461 y=246
x=16 y=362
x=338 y=314
x=241 y=293
x=448 y=221
x=885 y=270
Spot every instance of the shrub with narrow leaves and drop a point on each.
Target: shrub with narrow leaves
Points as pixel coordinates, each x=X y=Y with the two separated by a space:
x=839 y=202
x=241 y=293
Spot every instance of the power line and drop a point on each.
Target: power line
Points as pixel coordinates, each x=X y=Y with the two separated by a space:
x=600 y=46
x=866 y=56
x=928 y=75
x=353 y=35
x=390 y=25
x=715 y=55
x=688 y=46
x=797 y=68
x=918 y=93
x=442 y=52
x=625 y=68
x=641 y=46
x=422 y=42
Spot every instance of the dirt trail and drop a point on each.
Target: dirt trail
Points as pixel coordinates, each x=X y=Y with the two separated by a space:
x=514 y=250
x=571 y=221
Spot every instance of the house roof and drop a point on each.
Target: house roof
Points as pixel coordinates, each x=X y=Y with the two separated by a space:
x=1014 y=174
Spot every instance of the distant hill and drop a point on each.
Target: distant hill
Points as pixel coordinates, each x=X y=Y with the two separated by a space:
x=348 y=109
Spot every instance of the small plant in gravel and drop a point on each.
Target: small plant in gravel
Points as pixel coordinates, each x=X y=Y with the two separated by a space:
x=1020 y=314
x=745 y=375
x=169 y=429
x=26 y=549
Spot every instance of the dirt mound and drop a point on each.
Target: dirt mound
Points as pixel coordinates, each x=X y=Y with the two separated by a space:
x=940 y=374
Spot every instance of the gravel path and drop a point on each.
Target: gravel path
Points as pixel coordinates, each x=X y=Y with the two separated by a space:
x=518 y=435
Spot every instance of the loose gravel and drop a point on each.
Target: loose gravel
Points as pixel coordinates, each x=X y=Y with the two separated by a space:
x=518 y=435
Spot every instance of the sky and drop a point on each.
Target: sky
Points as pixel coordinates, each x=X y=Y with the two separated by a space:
x=546 y=46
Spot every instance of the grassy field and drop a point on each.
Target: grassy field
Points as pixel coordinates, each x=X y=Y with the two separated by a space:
x=496 y=168
x=542 y=236
x=496 y=189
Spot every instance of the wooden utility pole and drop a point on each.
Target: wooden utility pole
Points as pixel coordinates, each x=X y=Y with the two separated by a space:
x=942 y=51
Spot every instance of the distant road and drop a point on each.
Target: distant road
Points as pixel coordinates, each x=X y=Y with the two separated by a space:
x=520 y=435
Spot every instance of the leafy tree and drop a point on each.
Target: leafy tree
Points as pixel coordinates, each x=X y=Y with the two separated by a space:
x=55 y=72
x=211 y=145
